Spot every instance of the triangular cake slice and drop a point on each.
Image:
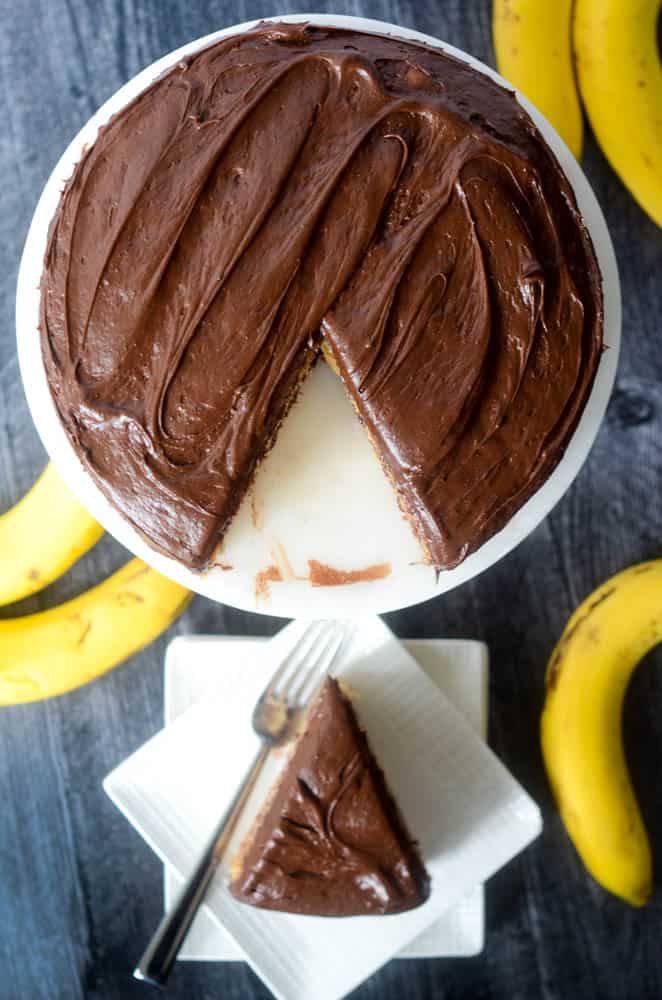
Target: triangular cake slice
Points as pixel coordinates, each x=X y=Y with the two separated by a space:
x=331 y=840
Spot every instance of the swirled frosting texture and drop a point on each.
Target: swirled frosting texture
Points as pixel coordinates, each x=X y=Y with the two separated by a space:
x=297 y=183
x=331 y=841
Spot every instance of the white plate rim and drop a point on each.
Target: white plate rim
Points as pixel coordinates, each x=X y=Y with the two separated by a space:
x=380 y=596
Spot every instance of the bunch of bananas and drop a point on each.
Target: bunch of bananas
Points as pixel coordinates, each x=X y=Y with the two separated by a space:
x=606 y=52
x=53 y=651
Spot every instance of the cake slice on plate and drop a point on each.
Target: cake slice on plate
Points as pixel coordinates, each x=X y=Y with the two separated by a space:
x=330 y=840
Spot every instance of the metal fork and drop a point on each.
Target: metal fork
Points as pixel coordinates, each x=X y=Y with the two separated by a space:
x=274 y=720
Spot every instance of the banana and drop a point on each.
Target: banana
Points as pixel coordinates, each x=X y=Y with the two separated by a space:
x=532 y=41
x=42 y=536
x=53 y=651
x=582 y=744
x=620 y=79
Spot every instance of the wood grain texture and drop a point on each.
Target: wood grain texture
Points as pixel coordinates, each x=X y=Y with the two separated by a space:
x=79 y=891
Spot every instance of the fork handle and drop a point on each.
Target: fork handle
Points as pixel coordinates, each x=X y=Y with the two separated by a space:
x=159 y=956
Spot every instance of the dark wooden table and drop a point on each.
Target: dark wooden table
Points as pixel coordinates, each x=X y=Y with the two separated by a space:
x=79 y=890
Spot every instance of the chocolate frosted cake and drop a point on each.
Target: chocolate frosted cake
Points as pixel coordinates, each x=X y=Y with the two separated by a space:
x=331 y=841
x=296 y=188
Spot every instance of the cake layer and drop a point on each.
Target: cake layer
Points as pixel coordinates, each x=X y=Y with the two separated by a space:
x=296 y=182
x=331 y=841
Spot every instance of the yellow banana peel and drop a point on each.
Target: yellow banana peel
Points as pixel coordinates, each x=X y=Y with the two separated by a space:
x=53 y=651
x=533 y=45
x=42 y=536
x=581 y=730
x=620 y=79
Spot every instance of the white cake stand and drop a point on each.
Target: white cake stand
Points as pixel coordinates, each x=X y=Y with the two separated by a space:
x=320 y=495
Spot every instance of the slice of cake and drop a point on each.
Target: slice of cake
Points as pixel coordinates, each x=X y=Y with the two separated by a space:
x=331 y=841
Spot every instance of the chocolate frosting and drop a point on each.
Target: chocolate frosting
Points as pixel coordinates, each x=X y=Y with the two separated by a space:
x=294 y=183
x=331 y=841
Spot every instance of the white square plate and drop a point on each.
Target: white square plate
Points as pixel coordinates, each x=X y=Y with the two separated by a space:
x=198 y=667
x=467 y=812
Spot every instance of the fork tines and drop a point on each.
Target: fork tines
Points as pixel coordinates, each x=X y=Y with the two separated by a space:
x=308 y=661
